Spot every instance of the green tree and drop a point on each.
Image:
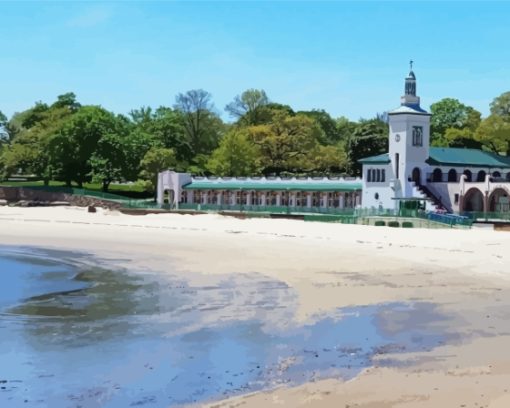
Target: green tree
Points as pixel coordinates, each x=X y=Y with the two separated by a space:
x=449 y=113
x=494 y=133
x=370 y=138
x=326 y=160
x=73 y=146
x=327 y=124
x=108 y=160
x=203 y=127
x=246 y=107
x=285 y=142
x=235 y=156
x=29 y=149
x=4 y=135
x=500 y=106
x=156 y=160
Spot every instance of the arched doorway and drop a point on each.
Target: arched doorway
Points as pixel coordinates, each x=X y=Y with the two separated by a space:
x=452 y=176
x=437 y=176
x=416 y=176
x=469 y=175
x=481 y=176
x=498 y=201
x=473 y=200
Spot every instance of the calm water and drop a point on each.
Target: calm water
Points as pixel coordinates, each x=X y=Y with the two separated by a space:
x=78 y=336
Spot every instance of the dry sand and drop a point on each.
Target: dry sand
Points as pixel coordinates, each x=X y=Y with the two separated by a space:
x=466 y=273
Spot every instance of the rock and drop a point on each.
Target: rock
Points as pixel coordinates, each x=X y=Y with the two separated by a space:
x=91 y=209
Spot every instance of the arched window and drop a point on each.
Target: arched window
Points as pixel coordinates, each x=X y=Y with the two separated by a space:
x=481 y=176
x=383 y=175
x=496 y=174
x=469 y=175
x=369 y=175
x=437 y=176
x=378 y=175
x=452 y=176
x=508 y=176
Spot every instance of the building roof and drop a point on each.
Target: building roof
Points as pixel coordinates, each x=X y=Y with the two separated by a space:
x=406 y=109
x=380 y=159
x=274 y=184
x=451 y=156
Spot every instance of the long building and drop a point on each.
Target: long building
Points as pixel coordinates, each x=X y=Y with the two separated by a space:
x=453 y=180
x=181 y=190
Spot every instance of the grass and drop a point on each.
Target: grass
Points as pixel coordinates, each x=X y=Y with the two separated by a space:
x=127 y=190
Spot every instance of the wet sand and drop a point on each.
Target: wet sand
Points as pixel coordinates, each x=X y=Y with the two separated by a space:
x=463 y=274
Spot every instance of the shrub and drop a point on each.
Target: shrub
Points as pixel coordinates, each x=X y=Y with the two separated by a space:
x=394 y=224
x=380 y=223
x=407 y=224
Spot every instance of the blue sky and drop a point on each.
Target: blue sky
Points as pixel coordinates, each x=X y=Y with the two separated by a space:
x=348 y=58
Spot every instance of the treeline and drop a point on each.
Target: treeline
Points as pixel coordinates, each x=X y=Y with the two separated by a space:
x=74 y=143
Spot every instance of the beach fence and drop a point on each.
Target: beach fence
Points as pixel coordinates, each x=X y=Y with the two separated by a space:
x=403 y=217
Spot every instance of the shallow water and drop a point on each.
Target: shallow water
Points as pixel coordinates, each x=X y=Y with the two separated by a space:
x=73 y=335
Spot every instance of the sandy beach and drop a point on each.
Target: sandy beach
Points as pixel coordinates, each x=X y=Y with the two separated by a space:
x=464 y=274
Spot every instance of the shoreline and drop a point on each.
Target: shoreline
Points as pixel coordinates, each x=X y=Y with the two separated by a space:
x=330 y=266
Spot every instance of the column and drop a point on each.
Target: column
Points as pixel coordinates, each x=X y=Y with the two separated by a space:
x=219 y=198
x=189 y=196
x=278 y=198
x=308 y=199
x=341 y=203
x=358 y=199
x=161 y=193
x=324 y=200
x=263 y=199
x=204 y=197
x=248 y=198
x=293 y=197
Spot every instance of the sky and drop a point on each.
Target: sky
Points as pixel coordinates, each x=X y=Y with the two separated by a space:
x=348 y=58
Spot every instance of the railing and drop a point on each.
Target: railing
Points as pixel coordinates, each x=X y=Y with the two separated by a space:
x=487 y=216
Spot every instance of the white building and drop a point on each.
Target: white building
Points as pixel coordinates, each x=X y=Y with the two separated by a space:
x=447 y=179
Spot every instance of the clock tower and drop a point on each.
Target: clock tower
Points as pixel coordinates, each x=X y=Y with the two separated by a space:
x=409 y=140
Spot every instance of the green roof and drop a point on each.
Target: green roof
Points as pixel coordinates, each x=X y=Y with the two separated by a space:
x=380 y=159
x=452 y=156
x=264 y=184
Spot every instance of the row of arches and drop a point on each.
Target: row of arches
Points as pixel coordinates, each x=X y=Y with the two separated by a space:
x=474 y=200
x=438 y=176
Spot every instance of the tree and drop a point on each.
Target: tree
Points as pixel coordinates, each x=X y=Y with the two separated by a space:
x=73 y=146
x=29 y=149
x=500 y=106
x=325 y=160
x=327 y=124
x=203 y=126
x=449 y=113
x=285 y=142
x=235 y=156
x=156 y=160
x=4 y=135
x=494 y=133
x=369 y=139
x=246 y=106
x=108 y=160
x=67 y=100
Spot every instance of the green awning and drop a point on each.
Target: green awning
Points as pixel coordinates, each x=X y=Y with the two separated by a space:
x=273 y=185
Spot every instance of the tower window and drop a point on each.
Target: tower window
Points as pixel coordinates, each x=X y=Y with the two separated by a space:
x=417 y=136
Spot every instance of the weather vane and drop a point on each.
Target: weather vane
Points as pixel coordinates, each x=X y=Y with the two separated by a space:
x=411 y=64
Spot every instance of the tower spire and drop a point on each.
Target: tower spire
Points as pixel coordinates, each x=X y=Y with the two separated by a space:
x=410 y=98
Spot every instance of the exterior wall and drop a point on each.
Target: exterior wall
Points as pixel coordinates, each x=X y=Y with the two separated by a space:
x=172 y=181
x=409 y=156
x=378 y=194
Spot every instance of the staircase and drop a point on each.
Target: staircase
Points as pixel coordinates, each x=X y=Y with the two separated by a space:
x=439 y=206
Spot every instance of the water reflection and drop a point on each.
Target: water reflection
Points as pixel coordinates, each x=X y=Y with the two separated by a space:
x=74 y=335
